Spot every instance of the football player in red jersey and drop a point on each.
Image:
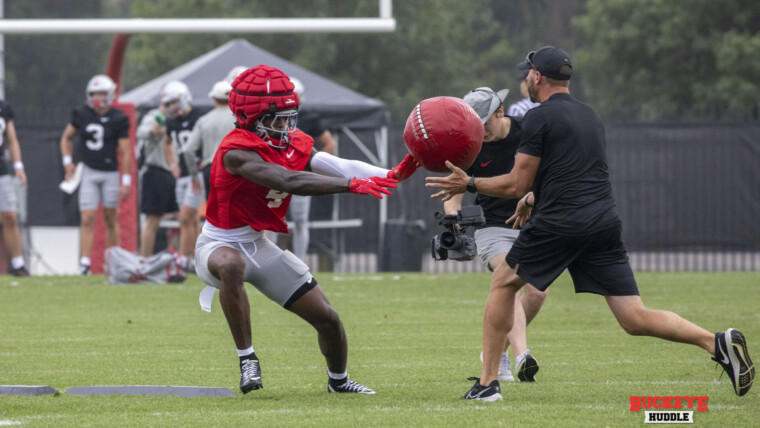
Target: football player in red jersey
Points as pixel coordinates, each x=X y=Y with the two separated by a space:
x=254 y=172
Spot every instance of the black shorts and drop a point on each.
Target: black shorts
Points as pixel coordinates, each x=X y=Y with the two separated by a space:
x=597 y=262
x=158 y=192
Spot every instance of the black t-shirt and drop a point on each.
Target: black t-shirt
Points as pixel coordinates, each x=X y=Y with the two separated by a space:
x=179 y=129
x=497 y=158
x=572 y=185
x=99 y=136
x=6 y=115
x=310 y=123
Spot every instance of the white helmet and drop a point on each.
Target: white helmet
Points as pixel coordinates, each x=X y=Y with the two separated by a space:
x=100 y=83
x=176 y=91
x=221 y=90
x=235 y=72
x=298 y=87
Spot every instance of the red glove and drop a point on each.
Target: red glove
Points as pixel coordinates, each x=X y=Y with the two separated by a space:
x=372 y=186
x=405 y=169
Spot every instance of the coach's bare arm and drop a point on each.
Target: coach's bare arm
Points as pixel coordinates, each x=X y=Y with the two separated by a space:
x=251 y=166
x=516 y=184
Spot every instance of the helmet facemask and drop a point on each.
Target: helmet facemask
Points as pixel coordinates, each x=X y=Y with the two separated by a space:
x=176 y=108
x=277 y=128
x=99 y=99
x=101 y=91
x=176 y=98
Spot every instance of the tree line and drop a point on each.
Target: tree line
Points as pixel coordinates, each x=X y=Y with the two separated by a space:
x=635 y=60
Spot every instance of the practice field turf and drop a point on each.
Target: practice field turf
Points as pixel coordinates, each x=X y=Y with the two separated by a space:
x=414 y=338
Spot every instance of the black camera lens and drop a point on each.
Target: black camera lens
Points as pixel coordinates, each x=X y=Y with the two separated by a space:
x=449 y=240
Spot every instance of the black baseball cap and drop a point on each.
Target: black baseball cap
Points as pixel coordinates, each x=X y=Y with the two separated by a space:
x=548 y=61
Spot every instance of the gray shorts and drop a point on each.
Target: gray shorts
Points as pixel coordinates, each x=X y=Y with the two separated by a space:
x=98 y=186
x=184 y=192
x=299 y=208
x=492 y=241
x=7 y=194
x=277 y=274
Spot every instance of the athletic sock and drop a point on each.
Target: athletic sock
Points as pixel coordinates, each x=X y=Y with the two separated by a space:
x=522 y=356
x=17 y=262
x=337 y=376
x=246 y=354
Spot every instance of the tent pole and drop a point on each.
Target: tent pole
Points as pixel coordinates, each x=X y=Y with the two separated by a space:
x=381 y=141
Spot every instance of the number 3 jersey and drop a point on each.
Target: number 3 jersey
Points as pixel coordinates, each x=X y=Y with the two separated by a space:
x=99 y=136
x=235 y=201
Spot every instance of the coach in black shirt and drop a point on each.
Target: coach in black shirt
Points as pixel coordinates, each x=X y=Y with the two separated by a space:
x=562 y=155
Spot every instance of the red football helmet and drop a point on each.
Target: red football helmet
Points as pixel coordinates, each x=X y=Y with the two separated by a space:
x=265 y=94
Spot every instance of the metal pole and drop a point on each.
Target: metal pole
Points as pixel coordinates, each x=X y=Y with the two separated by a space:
x=386 y=9
x=2 y=53
x=198 y=25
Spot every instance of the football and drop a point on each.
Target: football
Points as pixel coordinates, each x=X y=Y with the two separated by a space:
x=443 y=129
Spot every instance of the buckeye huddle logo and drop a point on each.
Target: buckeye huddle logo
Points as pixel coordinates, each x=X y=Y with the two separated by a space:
x=668 y=409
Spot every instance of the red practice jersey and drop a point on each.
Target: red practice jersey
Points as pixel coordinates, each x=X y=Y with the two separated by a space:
x=235 y=201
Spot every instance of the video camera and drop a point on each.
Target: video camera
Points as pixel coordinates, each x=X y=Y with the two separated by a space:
x=454 y=244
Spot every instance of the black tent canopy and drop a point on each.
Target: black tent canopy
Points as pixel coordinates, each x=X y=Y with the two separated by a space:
x=337 y=105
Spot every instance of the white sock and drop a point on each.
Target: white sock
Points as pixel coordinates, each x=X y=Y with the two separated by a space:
x=17 y=262
x=244 y=352
x=84 y=261
x=337 y=376
x=522 y=356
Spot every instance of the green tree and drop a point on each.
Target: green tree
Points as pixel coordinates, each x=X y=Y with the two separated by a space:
x=664 y=60
x=46 y=75
x=440 y=47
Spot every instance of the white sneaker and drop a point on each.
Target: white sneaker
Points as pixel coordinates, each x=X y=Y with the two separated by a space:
x=505 y=373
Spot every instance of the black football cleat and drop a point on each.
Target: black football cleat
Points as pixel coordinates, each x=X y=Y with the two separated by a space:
x=20 y=272
x=250 y=375
x=346 y=385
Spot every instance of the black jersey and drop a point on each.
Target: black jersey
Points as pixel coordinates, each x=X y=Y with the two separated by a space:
x=572 y=185
x=497 y=158
x=179 y=129
x=6 y=115
x=99 y=136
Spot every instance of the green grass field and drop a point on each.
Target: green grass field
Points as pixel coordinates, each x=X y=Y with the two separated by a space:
x=414 y=338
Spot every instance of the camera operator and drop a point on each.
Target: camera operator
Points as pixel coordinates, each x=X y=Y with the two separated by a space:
x=495 y=238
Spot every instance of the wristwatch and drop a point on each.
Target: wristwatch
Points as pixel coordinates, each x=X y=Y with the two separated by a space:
x=471 y=186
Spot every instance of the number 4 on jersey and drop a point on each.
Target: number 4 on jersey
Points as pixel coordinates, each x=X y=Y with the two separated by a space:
x=275 y=198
